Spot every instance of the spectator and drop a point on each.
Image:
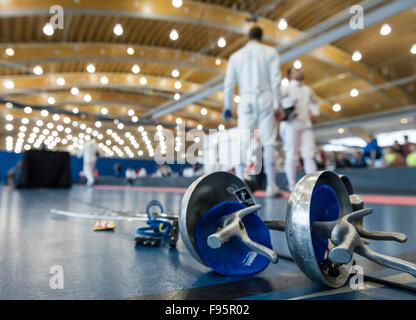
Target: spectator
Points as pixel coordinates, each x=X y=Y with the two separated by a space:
x=406 y=146
x=320 y=158
x=392 y=158
x=397 y=147
x=14 y=173
x=411 y=157
x=372 y=151
x=130 y=175
x=357 y=160
x=141 y=172
x=188 y=172
x=117 y=169
x=341 y=161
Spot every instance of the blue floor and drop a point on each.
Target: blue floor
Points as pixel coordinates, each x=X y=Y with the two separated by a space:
x=106 y=265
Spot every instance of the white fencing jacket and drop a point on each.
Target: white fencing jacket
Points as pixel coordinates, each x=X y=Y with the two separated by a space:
x=255 y=68
x=305 y=102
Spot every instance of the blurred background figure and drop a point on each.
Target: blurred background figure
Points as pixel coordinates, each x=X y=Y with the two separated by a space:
x=406 y=147
x=393 y=158
x=90 y=154
x=296 y=132
x=411 y=156
x=372 y=151
x=341 y=161
x=130 y=175
x=357 y=160
x=14 y=173
x=141 y=172
x=117 y=169
x=255 y=68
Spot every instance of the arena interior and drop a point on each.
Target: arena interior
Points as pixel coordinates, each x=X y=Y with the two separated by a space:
x=123 y=172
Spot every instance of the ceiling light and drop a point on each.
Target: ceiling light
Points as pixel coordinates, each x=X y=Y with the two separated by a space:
x=91 y=68
x=336 y=107
x=56 y=117
x=282 y=25
x=385 y=29
x=413 y=49
x=221 y=127
x=356 y=56
x=48 y=29
x=178 y=120
x=60 y=81
x=51 y=100
x=143 y=81
x=120 y=126
x=44 y=113
x=199 y=126
x=135 y=119
x=135 y=69
x=27 y=110
x=25 y=120
x=130 y=51
x=104 y=80
x=173 y=35
x=221 y=42
x=98 y=124
x=130 y=112
x=9 y=105
x=9 y=52
x=404 y=120
x=297 y=64
x=9 y=117
x=118 y=29
x=74 y=91
x=237 y=99
x=37 y=70
x=178 y=85
x=104 y=111
x=9 y=84
x=177 y=96
x=87 y=98
x=284 y=82
x=177 y=3
x=354 y=92
x=175 y=73
x=340 y=130
x=217 y=61
x=9 y=127
x=204 y=111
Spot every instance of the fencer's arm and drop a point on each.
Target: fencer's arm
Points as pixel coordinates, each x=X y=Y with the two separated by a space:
x=275 y=76
x=313 y=106
x=229 y=84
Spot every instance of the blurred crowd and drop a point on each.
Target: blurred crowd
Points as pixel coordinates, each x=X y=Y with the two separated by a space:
x=371 y=156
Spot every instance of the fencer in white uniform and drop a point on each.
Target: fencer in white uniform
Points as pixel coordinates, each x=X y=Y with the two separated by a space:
x=255 y=68
x=296 y=134
x=89 y=153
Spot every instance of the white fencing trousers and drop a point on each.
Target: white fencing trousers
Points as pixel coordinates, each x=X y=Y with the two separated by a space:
x=256 y=111
x=88 y=169
x=297 y=139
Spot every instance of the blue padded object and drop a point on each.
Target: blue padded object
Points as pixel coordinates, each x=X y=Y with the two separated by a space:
x=156 y=227
x=234 y=258
x=324 y=207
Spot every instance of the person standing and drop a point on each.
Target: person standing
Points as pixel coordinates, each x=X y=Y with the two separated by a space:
x=296 y=130
x=255 y=68
x=90 y=154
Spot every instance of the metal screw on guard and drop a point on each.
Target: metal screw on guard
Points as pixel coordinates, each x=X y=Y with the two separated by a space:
x=232 y=226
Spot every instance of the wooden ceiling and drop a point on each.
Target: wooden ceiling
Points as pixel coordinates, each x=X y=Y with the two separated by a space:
x=88 y=38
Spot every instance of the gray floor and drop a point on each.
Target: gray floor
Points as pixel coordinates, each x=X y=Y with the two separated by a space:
x=106 y=265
